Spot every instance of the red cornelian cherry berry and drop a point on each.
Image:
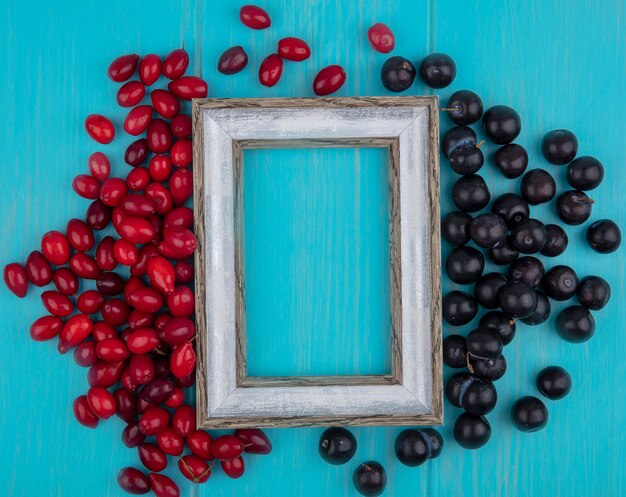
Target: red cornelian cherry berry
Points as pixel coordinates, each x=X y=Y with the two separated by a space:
x=181 y=186
x=132 y=284
x=138 y=119
x=181 y=302
x=79 y=235
x=381 y=38
x=99 y=166
x=151 y=456
x=104 y=374
x=125 y=401
x=125 y=252
x=103 y=331
x=98 y=215
x=145 y=253
x=175 y=399
x=83 y=413
x=199 y=443
x=154 y=420
x=84 y=266
x=195 y=469
x=86 y=186
x=75 y=330
x=329 y=80
x=271 y=70
x=293 y=49
x=115 y=312
x=254 y=17
x=136 y=153
x=137 y=205
x=104 y=254
x=141 y=368
x=85 y=354
x=100 y=128
x=177 y=330
x=162 y=486
x=161 y=274
x=46 y=328
x=101 y=402
x=123 y=67
x=110 y=283
x=131 y=436
x=130 y=94
x=161 y=320
x=137 y=230
x=15 y=279
x=65 y=281
x=180 y=216
x=232 y=60
x=55 y=248
x=227 y=447
x=57 y=304
x=90 y=302
x=181 y=241
x=133 y=481
x=160 y=167
x=181 y=126
x=182 y=153
x=254 y=441
x=233 y=468
x=175 y=64
x=150 y=69
x=38 y=269
x=161 y=197
x=138 y=319
x=189 y=87
x=170 y=442
x=159 y=136
x=142 y=341
x=112 y=350
x=183 y=273
x=165 y=103
x=137 y=179
x=146 y=299
x=183 y=360
x=184 y=420
x=186 y=381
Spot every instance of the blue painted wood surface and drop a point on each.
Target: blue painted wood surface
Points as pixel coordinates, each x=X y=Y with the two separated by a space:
x=559 y=65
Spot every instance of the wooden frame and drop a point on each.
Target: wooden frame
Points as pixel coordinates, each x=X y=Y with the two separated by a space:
x=413 y=392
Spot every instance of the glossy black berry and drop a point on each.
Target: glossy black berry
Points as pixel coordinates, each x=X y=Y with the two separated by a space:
x=397 y=74
x=541 y=312
x=437 y=70
x=487 y=289
x=557 y=241
x=560 y=283
x=585 y=173
x=559 y=146
x=488 y=230
x=529 y=414
x=502 y=324
x=454 y=351
x=538 y=187
x=503 y=254
x=573 y=207
x=370 y=479
x=458 y=308
x=470 y=431
x=487 y=369
x=529 y=236
x=412 y=447
x=575 y=324
x=604 y=236
x=475 y=395
x=501 y=124
x=464 y=107
x=337 y=445
x=554 y=382
x=465 y=265
x=484 y=343
x=467 y=160
x=457 y=138
x=518 y=299
x=512 y=160
x=470 y=193
x=455 y=228
x=512 y=208
x=527 y=269
x=593 y=292
x=436 y=442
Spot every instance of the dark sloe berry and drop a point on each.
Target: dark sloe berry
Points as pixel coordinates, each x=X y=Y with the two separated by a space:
x=436 y=442
x=337 y=445
x=412 y=447
x=370 y=479
x=502 y=324
x=554 y=382
x=529 y=236
x=465 y=265
x=457 y=138
x=527 y=269
x=473 y=394
x=575 y=324
x=454 y=351
x=557 y=241
x=487 y=289
x=458 y=308
x=470 y=193
x=604 y=236
x=529 y=414
x=512 y=160
x=512 y=208
x=541 y=312
x=518 y=299
x=585 y=173
x=397 y=74
x=467 y=159
x=437 y=70
x=559 y=146
x=573 y=207
x=501 y=124
x=484 y=343
x=487 y=369
x=455 y=228
x=470 y=431
x=504 y=253
x=593 y=292
x=488 y=230
x=560 y=282
x=538 y=187
x=464 y=107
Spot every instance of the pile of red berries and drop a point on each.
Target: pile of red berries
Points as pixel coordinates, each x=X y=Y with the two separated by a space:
x=133 y=328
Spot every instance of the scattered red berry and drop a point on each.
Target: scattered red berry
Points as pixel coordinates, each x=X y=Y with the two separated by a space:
x=123 y=67
x=15 y=279
x=293 y=49
x=271 y=70
x=100 y=128
x=150 y=69
x=233 y=60
x=133 y=481
x=175 y=64
x=254 y=17
x=381 y=38
x=329 y=80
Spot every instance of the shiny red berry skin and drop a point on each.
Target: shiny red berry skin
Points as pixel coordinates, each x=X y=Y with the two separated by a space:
x=38 y=269
x=65 y=281
x=233 y=468
x=146 y=299
x=100 y=128
x=145 y=253
x=138 y=119
x=181 y=126
x=183 y=360
x=254 y=441
x=137 y=230
x=195 y=469
x=101 y=402
x=177 y=330
x=125 y=402
x=137 y=205
x=55 y=247
x=184 y=420
x=84 y=266
x=159 y=136
x=125 y=252
x=154 y=421
x=160 y=167
x=75 y=330
x=15 y=279
x=181 y=241
x=232 y=60
x=151 y=456
x=162 y=486
x=161 y=274
x=271 y=70
x=293 y=49
x=199 y=443
x=57 y=304
x=142 y=341
x=227 y=447
x=115 y=312
x=99 y=166
x=123 y=67
x=86 y=186
x=110 y=283
x=85 y=354
x=150 y=69
x=131 y=436
x=170 y=442
x=254 y=17
x=46 y=328
x=136 y=153
x=161 y=197
x=180 y=216
x=90 y=302
x=98 y=215
x=133 y=481
x=329 y=80
x=112 y=350
x=137 y=179
x=165 y=103
x=141 y=368
x=103 y=331
x=79 y=235
x=182 y=153
x=181 y=302
x=130 y=94
x=83 y=413
x=189 y=87
x=175 y=64
x=381 y=38
x=175 y=399
x=104 y=374
x=183 y=272
x=181 y=186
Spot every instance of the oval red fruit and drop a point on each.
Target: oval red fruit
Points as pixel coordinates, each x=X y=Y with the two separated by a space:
x=170 y=442
x=123 y=67
x=254 y=441
x=162 y=486
x=165 y=103
x=83 y=413
x=86 y=186
x=57 y=304
x=189 y=87
x=133 y=481
x=175 y=64
x=233 y=60
x=199 y=442
x=136 y=153
x=99 y=166
x=46 y=328
x=159 y=136
x=100 y=128
x=38 y=269
x=329 y=80
x=55 y=247
x=183 y=360
x=195 y=469
x=184 y=420
x=150 y=69
x=161 y=274
x=226 y=447
x=271 y=70
x=233 y=468
x=154 y=421
x=181 y=126
x=98 y=215
x=254 y=17
x=130 y=94
x=101 y=402
x=293 y=49
x=152 y=457
x=65 y=281
x=381 y=38
x=138 y=119
x=15 y=279
x=79 y=235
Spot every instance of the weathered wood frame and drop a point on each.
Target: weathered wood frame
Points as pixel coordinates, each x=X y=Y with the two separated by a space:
x=413 y=392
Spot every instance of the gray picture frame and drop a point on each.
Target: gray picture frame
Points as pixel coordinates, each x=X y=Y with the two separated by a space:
x=408 y=127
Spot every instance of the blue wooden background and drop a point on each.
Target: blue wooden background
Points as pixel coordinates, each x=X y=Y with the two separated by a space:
x=559 y=64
